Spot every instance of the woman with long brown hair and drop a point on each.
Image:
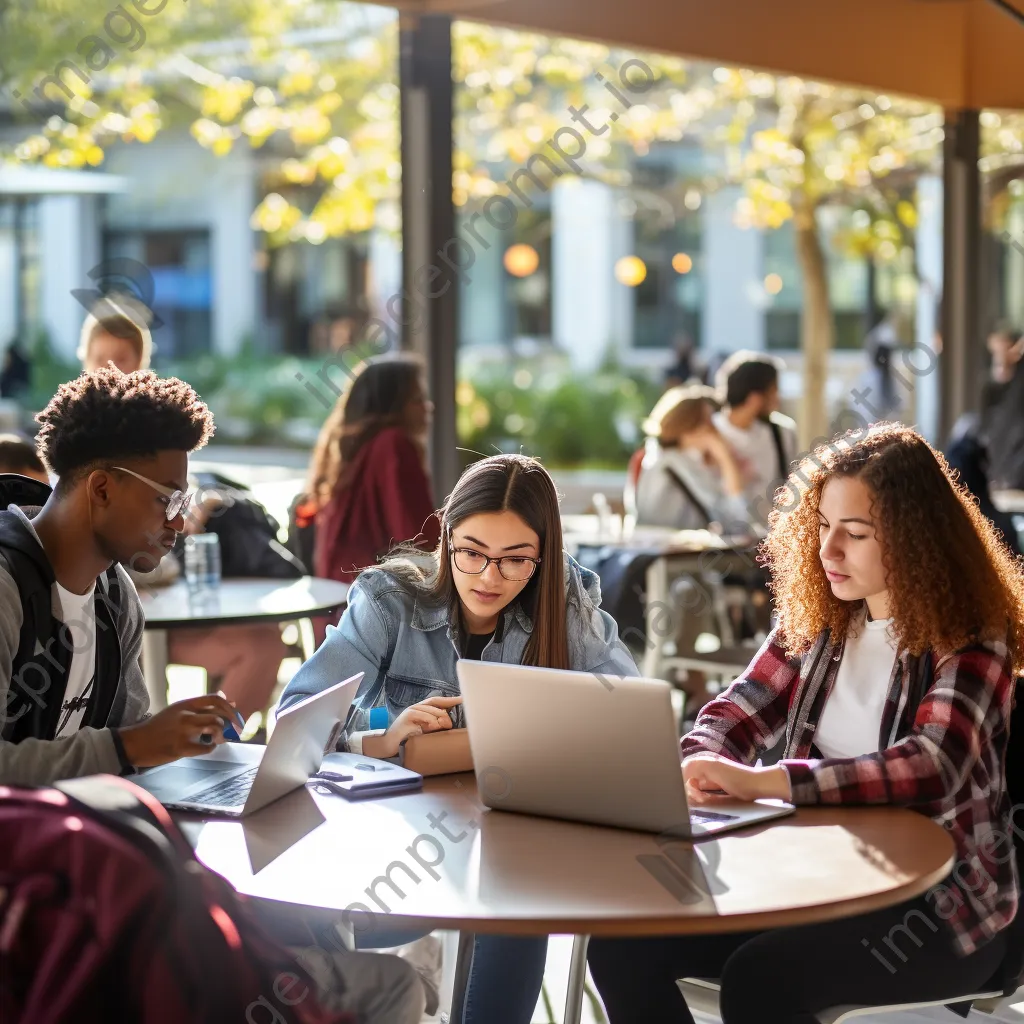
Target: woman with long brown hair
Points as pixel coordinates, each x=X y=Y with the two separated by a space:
x=497 y=588
x=368 y=487
x=890 y=676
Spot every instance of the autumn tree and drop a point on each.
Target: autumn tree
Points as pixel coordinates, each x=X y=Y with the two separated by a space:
x=315 y=86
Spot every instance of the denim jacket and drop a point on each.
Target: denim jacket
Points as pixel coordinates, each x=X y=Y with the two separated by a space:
x=411 y=647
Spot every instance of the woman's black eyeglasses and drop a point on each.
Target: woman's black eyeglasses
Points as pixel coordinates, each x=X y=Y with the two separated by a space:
x=514 y=568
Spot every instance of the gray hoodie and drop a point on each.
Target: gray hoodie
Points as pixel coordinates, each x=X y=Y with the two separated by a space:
x=34 y=762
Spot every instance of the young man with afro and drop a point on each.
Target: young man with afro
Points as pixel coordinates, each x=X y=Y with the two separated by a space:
x=73 y=700
x=72 y=697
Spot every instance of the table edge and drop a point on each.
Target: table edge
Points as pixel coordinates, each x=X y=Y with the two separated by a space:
x=654 y=926
x=237 y=620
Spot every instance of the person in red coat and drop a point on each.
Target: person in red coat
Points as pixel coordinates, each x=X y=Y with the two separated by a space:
x=368 y=479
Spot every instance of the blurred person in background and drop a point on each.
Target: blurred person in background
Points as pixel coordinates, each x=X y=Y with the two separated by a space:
x=880 y=347
x=241 y=662
x=1002 y=409
x=687 y=366
x=968 y=457
x=15 y=372
x=117 y=339
x=689 y=477
x=19 y=456
x=368 y=485
x=762 y=440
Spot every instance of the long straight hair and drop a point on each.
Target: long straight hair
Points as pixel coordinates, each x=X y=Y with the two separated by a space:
x=376 y=397
x=502 y=483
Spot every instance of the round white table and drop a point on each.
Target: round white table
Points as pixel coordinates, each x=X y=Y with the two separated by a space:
x=234 y=602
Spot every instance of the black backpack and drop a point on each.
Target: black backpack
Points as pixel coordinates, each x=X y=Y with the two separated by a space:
x=247 y=533
x=40 y=666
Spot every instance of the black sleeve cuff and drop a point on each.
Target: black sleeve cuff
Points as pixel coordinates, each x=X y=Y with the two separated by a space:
x=127 y=768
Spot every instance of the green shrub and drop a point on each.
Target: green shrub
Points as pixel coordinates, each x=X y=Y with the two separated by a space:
x=566 y=419
x=539 y=405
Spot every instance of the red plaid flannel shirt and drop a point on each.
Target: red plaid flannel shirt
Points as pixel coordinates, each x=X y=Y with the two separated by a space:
x=945 y=759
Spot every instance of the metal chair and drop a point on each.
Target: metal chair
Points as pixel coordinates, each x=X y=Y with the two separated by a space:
x=702 y=995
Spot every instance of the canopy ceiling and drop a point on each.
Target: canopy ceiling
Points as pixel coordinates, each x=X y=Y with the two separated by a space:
x=959 y=53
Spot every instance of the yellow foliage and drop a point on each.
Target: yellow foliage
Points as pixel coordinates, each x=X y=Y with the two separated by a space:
x=907 y=213
x=296 y=84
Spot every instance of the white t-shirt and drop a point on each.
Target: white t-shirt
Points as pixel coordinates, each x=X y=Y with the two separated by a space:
x=851 y=720
x=755 y=452
x=78 y=612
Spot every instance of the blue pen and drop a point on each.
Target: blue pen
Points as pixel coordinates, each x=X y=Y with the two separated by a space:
x=230 y=733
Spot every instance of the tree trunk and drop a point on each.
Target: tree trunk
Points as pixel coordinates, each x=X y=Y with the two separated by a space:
x=817 y=331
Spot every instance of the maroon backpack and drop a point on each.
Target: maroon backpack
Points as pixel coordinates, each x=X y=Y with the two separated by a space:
x=106 y=915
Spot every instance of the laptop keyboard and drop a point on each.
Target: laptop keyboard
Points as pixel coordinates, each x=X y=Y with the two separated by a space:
x=227 y=792
x=710 y=817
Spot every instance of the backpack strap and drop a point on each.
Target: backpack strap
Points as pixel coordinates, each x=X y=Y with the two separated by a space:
x=692 y=498
x=39 y=669
x=109 y=694
x=780 y=451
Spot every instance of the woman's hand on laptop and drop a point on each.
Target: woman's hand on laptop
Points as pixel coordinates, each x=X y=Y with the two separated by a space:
x=177 y=731
x=430 y=715
x=710 y=778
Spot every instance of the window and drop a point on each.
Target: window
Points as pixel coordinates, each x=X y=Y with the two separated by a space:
x=182 y=285
x=668 y=300
x=848 y=281
x=316 y=295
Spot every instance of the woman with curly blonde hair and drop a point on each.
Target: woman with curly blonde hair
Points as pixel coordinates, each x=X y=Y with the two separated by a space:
x=889 y=676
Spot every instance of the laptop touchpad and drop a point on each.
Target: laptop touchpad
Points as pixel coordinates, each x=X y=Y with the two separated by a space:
x=177 y=780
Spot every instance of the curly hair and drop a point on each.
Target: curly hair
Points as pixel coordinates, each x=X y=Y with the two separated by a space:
x=951 y=580
x=107 y=415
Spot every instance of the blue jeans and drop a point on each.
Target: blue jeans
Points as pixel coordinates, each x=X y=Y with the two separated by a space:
x=505 y=979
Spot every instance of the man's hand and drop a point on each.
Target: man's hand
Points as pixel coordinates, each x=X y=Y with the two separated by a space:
x=710 y=778
x=175 y=732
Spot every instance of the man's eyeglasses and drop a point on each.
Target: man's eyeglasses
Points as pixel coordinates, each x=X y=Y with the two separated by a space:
x=515 y=568
x=177 y=501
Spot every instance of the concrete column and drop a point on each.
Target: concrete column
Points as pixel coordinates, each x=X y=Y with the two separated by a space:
x=1013 y=278
x=590 y=309
x=232 y=254
x=385 y=256
x=68 y=250
x=733 y=273
x=963 y=345
x=482 y=316
x=622 y=297
x=925 y=367
x=8 y=288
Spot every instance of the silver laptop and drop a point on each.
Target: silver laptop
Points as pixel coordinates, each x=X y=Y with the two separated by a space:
x=597 y=749
x=239 y=778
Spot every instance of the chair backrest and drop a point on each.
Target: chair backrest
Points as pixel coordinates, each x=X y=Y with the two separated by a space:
x=1013 y=962
x=632 y=479
x=23 y=491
